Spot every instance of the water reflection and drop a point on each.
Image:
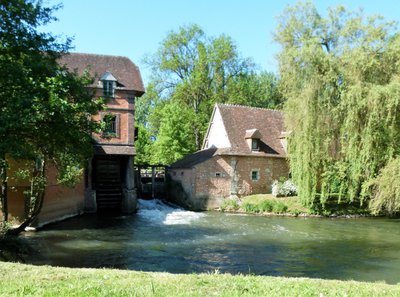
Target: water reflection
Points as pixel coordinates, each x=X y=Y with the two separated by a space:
x=162 y=238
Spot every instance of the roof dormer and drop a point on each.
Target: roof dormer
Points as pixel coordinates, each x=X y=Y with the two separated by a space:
x=109 y=84
x=284 y=139
x=253 y=137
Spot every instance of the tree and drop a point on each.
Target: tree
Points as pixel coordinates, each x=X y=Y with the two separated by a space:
x=175 y=138
x=257 y=90
x=193 y=72
x=340 y=76
x=386 y=189
x=45 y=111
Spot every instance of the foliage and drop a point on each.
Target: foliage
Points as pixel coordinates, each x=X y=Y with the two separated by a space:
x=266 y=206
x=257 y=90
x=143 y=146
x=175 y=136
x=192 y=72
x=340 y=75
x=280 y=207
x=284 y=188
x=250 y=207
x=229 y=205
x=45 y=109
x=386 y=189
x=273 y=206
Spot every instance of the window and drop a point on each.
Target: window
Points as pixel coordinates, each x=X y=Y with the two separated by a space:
x=111 y=125
x=108 y=88
x=255 y=145
x=255 y=175
x=136 y=133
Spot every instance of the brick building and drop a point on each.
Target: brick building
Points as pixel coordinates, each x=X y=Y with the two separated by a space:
x=108 y=181
x=243 y=152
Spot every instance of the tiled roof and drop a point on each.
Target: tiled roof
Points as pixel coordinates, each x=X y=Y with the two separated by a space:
x=193 y=159
x=123 y=69
x=239 y=119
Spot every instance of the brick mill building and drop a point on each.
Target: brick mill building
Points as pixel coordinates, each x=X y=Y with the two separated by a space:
x=109 y=177
x=244 y=150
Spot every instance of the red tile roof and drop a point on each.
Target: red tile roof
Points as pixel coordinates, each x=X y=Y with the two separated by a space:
x=122 y=68
x=193 y=159
x=239 y=119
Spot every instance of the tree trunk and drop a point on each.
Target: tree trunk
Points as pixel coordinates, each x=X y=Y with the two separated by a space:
x=4 y=188
x=37 y=207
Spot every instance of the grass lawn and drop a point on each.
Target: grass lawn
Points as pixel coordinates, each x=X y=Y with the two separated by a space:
x=28 y=280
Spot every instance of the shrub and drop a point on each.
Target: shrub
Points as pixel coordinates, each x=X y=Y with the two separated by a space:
x=266 y=206
x=249 y=207
x=280 y=207
x=386 y=189
x=283 y=188
x=230 y=204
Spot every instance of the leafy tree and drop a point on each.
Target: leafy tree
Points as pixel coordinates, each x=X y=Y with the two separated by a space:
x=193 y=72
x=258 y=90
x=386 y=189
x=144 y=146
x=340 y=75
x=45 y=111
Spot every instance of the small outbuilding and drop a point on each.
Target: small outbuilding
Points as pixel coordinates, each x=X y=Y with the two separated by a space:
x=243 y=152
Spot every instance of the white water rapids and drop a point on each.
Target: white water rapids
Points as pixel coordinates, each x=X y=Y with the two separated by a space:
x=159 y=212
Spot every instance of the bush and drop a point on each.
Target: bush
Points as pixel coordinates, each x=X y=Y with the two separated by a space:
x=230 y=204
x=386 y=189
x=249 y=207
x=283 y=188
x=266 y=206
x=280 y=207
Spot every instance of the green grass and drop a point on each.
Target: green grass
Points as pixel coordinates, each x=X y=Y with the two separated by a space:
x=263 y=203
x=27 y=280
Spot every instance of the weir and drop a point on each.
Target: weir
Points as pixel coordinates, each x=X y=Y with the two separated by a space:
x=151 y=181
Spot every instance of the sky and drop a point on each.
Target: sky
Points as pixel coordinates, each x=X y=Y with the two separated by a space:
x=135 y=28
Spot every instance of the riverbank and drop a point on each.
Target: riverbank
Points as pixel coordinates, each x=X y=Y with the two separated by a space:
x=268 y=205
x=21 y=280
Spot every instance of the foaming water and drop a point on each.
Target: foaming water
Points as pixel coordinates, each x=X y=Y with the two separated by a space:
x=156 y=211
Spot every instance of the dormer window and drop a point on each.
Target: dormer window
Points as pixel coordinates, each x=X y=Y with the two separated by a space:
x=108 y=88
x=253 y=137
x=109 y=84
x=255 y=145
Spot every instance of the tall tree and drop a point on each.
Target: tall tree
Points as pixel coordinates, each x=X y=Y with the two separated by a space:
x=254 y=89
x=340 y=75
x=193 y=72
x=45 y=111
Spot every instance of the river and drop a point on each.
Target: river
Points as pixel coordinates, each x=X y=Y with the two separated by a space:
x=165 y=238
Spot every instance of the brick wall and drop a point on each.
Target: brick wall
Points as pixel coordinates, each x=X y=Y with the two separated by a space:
x=210 y=182
x=123 y=106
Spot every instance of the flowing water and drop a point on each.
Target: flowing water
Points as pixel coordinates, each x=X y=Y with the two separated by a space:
x=161 y=237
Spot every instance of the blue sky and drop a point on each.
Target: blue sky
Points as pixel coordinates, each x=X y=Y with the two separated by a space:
x=135 y=28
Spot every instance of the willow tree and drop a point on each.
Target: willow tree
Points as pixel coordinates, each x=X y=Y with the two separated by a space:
x=341 y=76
